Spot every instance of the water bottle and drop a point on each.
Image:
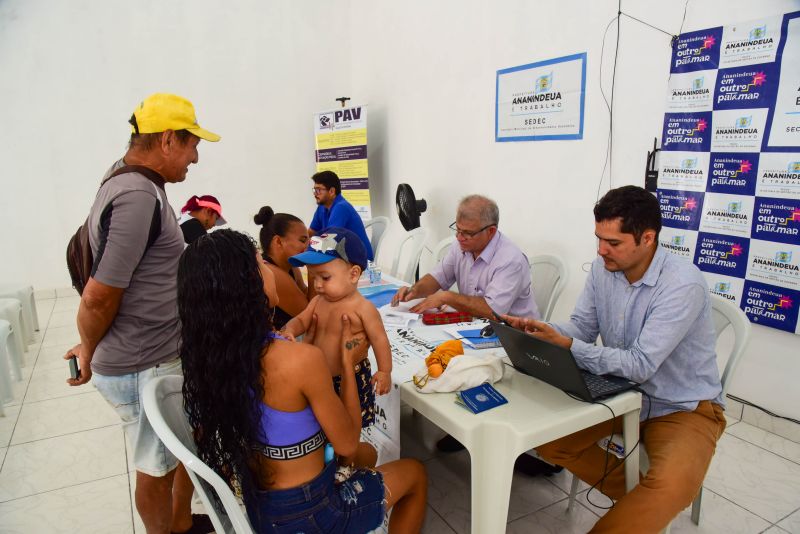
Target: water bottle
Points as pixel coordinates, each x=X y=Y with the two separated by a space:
x=374 y=273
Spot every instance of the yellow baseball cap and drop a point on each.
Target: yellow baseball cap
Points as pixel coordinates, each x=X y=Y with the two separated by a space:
x=163 y=111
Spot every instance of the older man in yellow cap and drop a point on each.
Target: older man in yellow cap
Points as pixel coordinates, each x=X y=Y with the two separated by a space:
x=128 y=314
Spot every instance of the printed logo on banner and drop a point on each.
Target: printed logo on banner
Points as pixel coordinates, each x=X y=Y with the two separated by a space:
x=745 y=87
x=732 y=173
x=696 y=51
x=727 y=214
x=678 y=242
x=777 y=219
x=725 y=286
x=722 y=254
x=683 y=171
x=770 y=305
x=544 y=83
x=750 y=43
x=738 y=130
x=326 y=121
x=779 y=175
x=543 y=99
x=774 y=263
x=347 y=115
x=680 y=209
x=688 y=132
x=691 y=91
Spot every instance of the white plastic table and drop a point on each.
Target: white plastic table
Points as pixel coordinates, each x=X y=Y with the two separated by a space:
x=536 y=413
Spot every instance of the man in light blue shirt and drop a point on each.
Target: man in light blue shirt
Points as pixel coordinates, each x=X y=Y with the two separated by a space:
x=652 y=311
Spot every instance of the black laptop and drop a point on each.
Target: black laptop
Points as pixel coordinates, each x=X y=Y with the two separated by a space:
x=556 y=366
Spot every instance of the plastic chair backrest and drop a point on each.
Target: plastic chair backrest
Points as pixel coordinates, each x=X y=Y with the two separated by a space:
x=548 y=280
x=379 y=225
x=6 y=392
x=417 y=237
x=441 y=248
x=162 y=399
x=724 y=313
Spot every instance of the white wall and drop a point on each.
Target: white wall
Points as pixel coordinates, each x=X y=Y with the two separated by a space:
x=429 y=77
x=257 y=71
x=72 y=73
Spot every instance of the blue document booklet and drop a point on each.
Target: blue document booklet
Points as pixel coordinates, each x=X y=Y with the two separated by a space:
x=480 y=398
x=471 y=337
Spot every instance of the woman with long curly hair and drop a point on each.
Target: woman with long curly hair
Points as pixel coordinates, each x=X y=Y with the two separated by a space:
x=263 y=407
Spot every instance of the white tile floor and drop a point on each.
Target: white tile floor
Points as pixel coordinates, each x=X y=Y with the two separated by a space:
x=64 y=464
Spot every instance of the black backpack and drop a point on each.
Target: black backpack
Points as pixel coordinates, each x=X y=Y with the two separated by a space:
x=80 y=260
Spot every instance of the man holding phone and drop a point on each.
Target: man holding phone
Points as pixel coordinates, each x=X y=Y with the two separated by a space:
x=128 y=314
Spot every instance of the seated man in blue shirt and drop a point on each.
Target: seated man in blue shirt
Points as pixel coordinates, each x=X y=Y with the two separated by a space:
x=334 y=210
x=653 y=313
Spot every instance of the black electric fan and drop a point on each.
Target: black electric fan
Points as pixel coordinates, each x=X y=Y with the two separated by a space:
x=409 y=209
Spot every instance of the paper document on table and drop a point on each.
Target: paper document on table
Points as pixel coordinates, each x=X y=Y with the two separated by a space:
x=408 y=352
x=406 y=306
x=396 y=319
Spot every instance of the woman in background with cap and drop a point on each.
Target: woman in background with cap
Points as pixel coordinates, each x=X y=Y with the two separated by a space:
x=199 y=215
x=283 y=235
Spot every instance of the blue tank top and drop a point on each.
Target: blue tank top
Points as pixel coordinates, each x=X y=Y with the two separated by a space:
x=287 y=435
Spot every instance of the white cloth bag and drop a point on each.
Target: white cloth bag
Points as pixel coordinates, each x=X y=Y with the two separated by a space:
x=463 y=372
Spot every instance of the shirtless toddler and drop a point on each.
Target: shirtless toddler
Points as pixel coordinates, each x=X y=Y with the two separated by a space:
x=335 y=259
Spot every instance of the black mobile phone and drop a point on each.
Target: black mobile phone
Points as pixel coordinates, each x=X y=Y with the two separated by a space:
x=74 y=372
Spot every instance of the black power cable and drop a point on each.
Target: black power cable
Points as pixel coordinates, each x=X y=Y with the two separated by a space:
x=609 y=159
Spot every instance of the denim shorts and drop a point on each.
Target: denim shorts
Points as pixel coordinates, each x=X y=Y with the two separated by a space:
x=123 y=392
x=319 y=506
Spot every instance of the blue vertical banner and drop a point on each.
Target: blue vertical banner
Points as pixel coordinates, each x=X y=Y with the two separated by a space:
x=729 y=170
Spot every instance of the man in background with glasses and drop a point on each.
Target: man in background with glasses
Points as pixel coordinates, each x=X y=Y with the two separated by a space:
x=334 y=210
x=491 y=272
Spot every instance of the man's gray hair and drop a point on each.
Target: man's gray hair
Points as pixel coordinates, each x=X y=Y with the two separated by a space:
x=479 y=207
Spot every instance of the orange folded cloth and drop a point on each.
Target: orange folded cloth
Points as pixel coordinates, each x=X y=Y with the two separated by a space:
x=441 y=356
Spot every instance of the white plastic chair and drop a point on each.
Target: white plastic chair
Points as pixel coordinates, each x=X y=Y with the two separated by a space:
x=30 y=318
x=6 y=393
x=417 y=238
x=379 y=225
x=11 y=311
x=9 y=349
x=724 y=313
x=548 y=280
x=163 y=403
x=441 y=248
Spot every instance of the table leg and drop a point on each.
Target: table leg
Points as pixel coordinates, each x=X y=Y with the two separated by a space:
x=491 y=490
x=630 y=435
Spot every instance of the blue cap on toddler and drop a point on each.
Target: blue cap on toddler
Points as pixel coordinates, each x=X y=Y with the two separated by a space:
x=331 y=243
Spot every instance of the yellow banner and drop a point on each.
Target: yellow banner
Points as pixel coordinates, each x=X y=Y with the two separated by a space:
x=342 y=138
x=357 y=197
x=353 y=168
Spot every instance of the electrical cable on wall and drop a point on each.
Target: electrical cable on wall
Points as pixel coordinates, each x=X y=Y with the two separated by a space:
x=609 y=159
x=608 y=162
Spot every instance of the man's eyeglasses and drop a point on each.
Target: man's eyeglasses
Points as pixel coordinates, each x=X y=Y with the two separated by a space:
x=465 y=234
x=319 y=189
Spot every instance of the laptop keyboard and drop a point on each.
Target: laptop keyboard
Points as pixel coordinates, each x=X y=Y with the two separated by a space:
x=599 y=386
